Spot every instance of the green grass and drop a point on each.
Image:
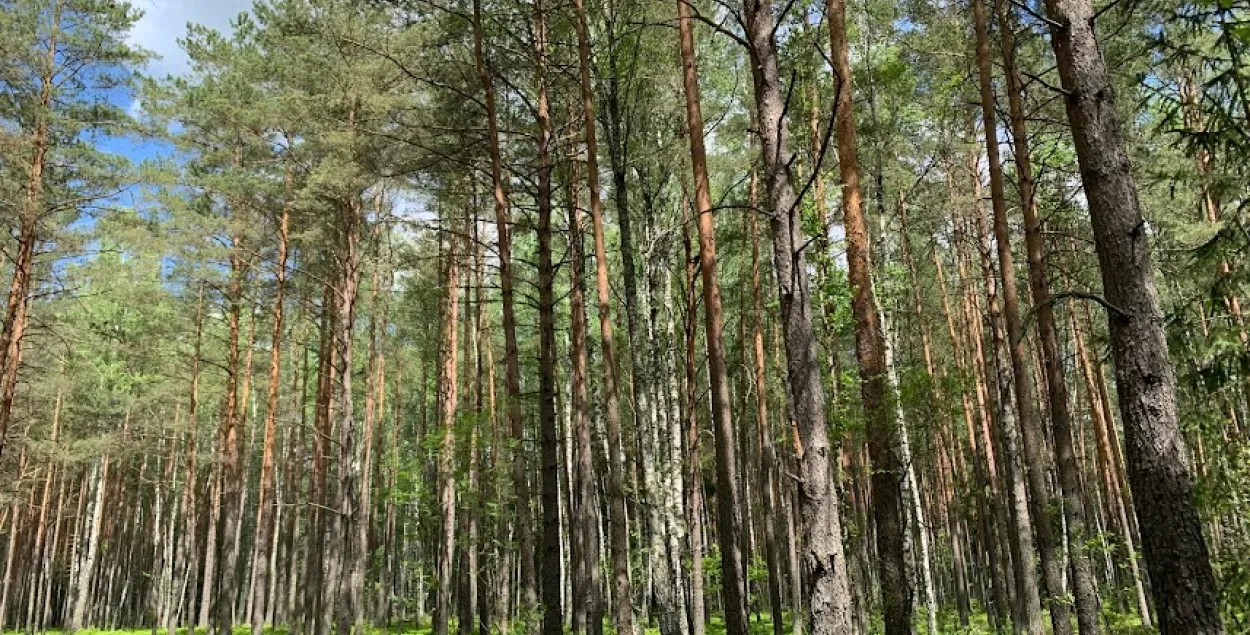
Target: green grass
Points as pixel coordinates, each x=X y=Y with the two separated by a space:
x=948 y=624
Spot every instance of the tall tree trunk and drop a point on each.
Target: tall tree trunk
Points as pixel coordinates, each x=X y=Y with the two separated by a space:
x=764 y=436
x=472 y=499
x=345 y=593
x=618 y=529
x=230 y=440
x=550 y=587
x=883 y=429
x=829 y=602
x=1085 y=587
x=447 y=400
x=618 y=129
x=314 y=574
x=375 y=412
x=245 y=450
x=694 y=475
x=1034 y=455
x=733 y=574
x=186 y=557
x=264 y=520
x=13 y=331
x=512 y=372
x=1176 y=553
x=587 y=603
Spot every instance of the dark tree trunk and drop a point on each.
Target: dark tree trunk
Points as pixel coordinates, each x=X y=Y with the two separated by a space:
x=1176 y=553
x=550 y=587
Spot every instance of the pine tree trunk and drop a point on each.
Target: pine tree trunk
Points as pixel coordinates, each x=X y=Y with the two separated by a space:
x=375 y=406
x=264 y=520
x=345 y=592
x=314 y=574
x=764 y=437
x=230 y=442
x=1034 y=451
x=587 y=603
x=878 y=398
x=1086 y=591
x=471 y=500
x=512 y=372
x=618 y=529
x=733 y=574
x=447 y=402
x=1176 y=553
x=13 y=331
x=187 y=550
x=550 y=587
x=694 y=463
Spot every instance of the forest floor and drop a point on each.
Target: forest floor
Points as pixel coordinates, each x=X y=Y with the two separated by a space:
x=760 y=624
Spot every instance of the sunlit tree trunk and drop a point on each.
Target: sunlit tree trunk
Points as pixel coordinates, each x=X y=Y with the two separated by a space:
x=733 y=574
x=264 y=520
x=694 y=465
x=13 y=330
x=883 y=428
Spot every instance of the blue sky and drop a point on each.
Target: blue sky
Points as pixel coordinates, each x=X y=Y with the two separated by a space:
x=164 y=21
x=158 y=31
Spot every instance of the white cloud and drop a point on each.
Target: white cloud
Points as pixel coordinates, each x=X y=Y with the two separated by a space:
x=165 y=21
x=135 y=109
